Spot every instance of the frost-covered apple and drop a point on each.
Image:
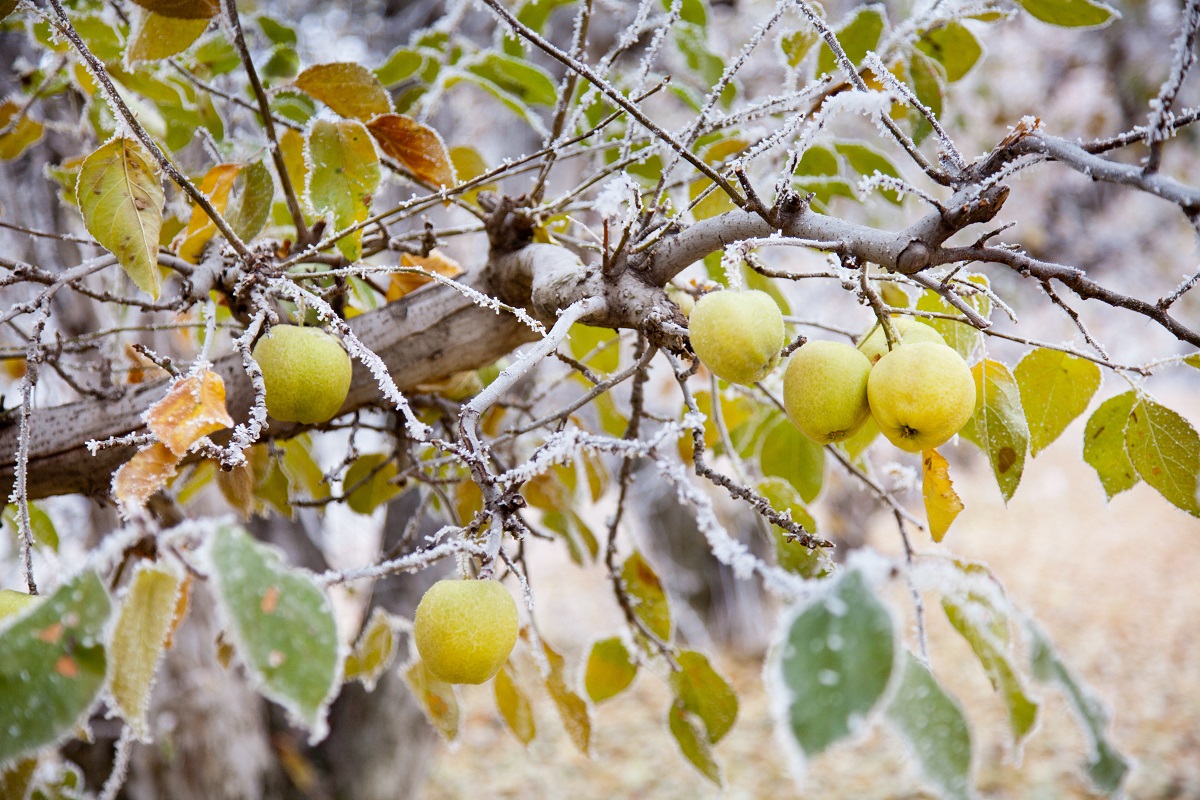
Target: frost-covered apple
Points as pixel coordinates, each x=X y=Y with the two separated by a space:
x=910 y=331
x=306 y=373
x=737 y=335
x=921 y=395
x=825 y=390
x=465 y=629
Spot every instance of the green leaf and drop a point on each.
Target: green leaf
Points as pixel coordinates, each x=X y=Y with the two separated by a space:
x=998 y=426
x=345 y=174
x=571 y=707
x=182 y=9
x=350 y=89
x=933 y=726
x=866 y=161
x=1104 y=444
x=536 y=13
x=374 y=651
x=369 y=482
x=860 y=34
x=250 y=208
x=1165 y=450
x=929 y=84
x=784 y=452
x=793 y=556
x=1193 y=360
x=301 y=469
x=702 y=692
x=986 y=629
x=833 y=663
x=157 y=36
x=643 y=586
x=598 y=346
x=282 y=63
x=693 y=12
x=610 y=670
x=438 y=700
x=1056 y=387
x=819 y=160
x=40 y=525
x=52 y=666
x=514 y=706
x=952 y=46
x=121 y=198
x=143 y=626
x=1106 y=766
x=964 y=338
x=1070 y=13
x=516 y=77
x=13 y=602
x=688 y=730
x=795 y=45
x=277 y=32
x=281 y=623
x=401 y=64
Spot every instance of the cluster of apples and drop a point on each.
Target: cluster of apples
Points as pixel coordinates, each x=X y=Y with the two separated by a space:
x=920 y=392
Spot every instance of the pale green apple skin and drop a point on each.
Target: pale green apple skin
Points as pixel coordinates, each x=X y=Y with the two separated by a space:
x=921 y=395
x=737 y=335
x=910 y=331
x=465 y=629
x=825 y=390
x=306 y=373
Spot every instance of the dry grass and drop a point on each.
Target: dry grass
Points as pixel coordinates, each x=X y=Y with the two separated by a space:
x=1114 y=586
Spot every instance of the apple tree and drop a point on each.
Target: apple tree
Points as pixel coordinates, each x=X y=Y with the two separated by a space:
x=505 y=211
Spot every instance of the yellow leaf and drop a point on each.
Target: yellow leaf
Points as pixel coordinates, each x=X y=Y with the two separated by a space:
x=157 y=36
x=345 y=174
x=23 y=134
x=194 y=407
x=141 y=476
x=941 y=501
x=418 y=147
x=350 y=89
x=405 y=282
x=374 y=652
x=121 y=197
x=215 y=186
x=182 y=9
x=138 y=641
x=437 y=699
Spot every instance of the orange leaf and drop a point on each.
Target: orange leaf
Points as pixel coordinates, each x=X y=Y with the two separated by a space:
x=941 y=501
x=350 y=89
x=141 y=476
x=181 y=609
x=194 y=407
x=216 y=187
x=418 y=147
x=405 y=282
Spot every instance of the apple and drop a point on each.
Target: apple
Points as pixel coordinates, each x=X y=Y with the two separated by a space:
x=825 y=390
x=737 y=335
x=465 y=629
x=306 y=372
x=908 y=330
x=921 y=395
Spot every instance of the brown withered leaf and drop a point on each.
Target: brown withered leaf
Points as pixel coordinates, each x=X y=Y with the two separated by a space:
x=418 y=147
x=193 y=407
